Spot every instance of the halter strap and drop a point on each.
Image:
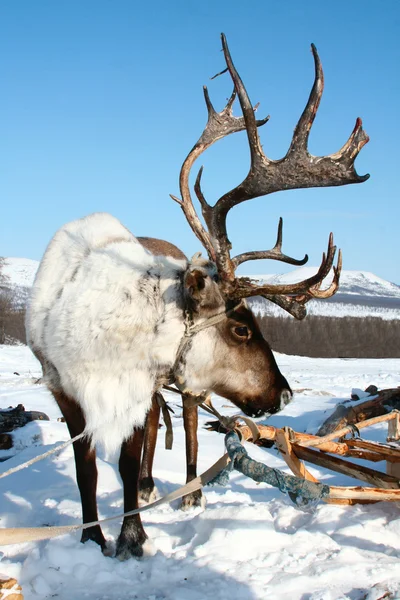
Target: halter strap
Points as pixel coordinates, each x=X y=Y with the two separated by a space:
x=191 y=329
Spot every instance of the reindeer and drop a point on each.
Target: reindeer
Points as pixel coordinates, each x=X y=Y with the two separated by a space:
x=112 y=322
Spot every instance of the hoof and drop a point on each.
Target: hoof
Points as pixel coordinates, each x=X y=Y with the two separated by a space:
x=95 y=535
x=193 y=500
x=147 y=496
x=125 y=552
x=132 y=549
x=147 y=490
x=131 y=540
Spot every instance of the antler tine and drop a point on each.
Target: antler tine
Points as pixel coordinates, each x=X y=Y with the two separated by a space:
x=302 y=130
x=290 y=305
x=348 y=153
x=186 y=203
x=296 y=305
x=246 y=106
x=218 y=125
x=327 y=261
x=205 y=207
x=299 y=144
x=275 y=253
x=242 y=287
x=316 y=292
x=278 y=243
x=232 y=99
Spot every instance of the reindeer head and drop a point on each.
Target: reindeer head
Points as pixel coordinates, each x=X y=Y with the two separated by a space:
x=232 y=358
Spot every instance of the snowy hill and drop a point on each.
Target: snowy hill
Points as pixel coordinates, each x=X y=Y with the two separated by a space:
x=360 y=294
x=356 y=283
x=20 y=271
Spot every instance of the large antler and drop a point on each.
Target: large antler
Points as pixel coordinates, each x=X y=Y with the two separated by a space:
x=219 y=125
x=298 y=169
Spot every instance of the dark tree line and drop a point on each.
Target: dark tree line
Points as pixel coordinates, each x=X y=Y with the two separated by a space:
x=316 y=336
x=12 y=312
x=328 y=337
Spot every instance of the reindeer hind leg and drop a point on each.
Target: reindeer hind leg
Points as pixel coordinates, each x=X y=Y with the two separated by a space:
x=85 y=463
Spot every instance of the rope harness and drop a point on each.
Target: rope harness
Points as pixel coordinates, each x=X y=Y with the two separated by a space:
x=189 y=398
x=191 y=329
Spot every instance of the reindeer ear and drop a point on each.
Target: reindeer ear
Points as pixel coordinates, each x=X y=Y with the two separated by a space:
x=195 y=283
x=202 y=292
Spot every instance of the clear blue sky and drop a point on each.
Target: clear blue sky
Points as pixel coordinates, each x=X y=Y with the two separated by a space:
x=101 y=100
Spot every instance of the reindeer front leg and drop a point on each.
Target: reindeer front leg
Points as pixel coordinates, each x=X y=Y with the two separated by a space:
x=190 y=421
x=146 y=481
x=132 y=537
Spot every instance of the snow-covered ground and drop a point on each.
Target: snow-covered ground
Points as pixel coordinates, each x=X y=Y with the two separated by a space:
x=249 y=543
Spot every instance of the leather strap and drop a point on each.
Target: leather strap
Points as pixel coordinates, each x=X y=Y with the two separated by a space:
x=19 y=535
x=169 y=434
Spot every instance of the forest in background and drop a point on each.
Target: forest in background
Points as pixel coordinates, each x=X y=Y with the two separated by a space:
x=315 y=336
x=12 y=311
x=333 y=337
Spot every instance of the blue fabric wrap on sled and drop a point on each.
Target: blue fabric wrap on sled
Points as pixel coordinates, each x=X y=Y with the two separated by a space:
x=303 y=493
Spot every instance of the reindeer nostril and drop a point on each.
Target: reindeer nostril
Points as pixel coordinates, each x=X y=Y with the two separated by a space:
x=286 y=397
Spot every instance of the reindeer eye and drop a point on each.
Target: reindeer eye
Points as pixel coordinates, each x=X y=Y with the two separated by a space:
x=216 y=277
x=241 y=332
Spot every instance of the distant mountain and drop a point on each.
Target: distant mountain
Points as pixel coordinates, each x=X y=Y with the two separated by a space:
x=20 y=271
x=355 y=283
x=360 y=294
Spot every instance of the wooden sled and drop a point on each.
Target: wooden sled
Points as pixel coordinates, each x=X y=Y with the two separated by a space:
x=327 y=452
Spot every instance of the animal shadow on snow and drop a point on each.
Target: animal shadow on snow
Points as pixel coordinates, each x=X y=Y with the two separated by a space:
x=197 y=525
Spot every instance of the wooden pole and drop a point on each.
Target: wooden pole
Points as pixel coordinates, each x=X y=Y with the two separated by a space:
x=269 y=433
x=393 y=436
x=347 y=468
x=285 y=447
x=364 y=493
x=316 y=441
x=387 y=452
